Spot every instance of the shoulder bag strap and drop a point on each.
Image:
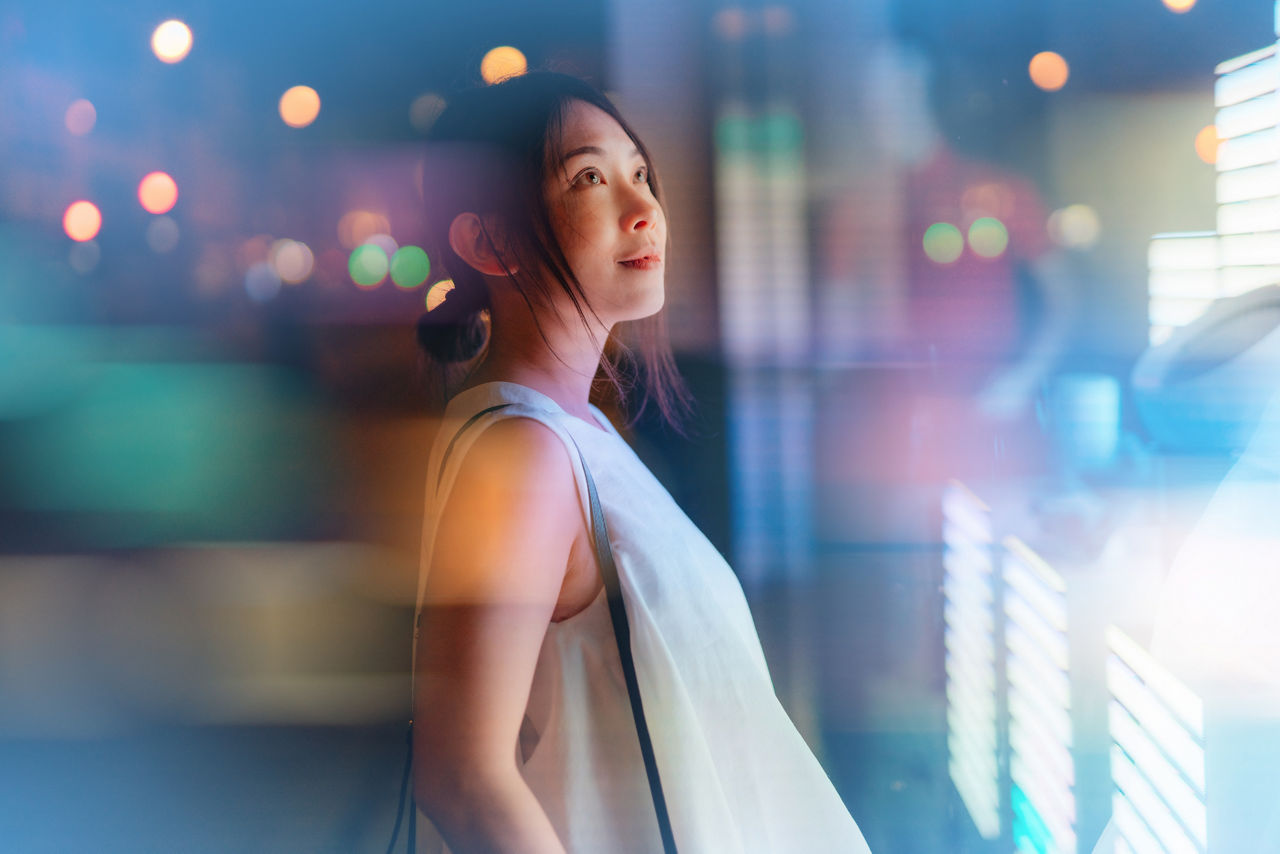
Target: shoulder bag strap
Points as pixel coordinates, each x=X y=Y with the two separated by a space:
x=622 y=634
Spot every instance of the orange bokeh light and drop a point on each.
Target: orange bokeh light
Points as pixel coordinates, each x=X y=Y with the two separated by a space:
x=82 y=220
x=158 y=193
x=171 y=41
x=299 y=106
x=501 y=63
x=1207 y=142
x=1179 y=6
x=1049 y=71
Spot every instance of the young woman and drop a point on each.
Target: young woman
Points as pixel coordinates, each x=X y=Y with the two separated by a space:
x=545 y=210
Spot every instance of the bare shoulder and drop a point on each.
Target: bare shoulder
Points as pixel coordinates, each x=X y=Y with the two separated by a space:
x=509 y=521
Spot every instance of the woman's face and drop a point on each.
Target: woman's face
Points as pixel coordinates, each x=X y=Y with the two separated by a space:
x=609 y=225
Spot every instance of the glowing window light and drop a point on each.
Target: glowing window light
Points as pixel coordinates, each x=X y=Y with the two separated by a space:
x=436 y=293
x=261 y=282
x=1047 y=760
x=1158 y=771
x=171 y=41
x=1045 y=603
x=410 y=266
x=1044 y=636
x=1148 y=805
x=424 y=111
x=974 y=789
x=1132 y=828
x=1259 y=148
x=943 y=243
x=1158 y=723
x=1074 y=227
x=1056 y=815
x=157 y=192
x=162 y=234
x=1180 y=699
x=1179 y=7
x=80 y=117
x=1207 y=144
x=1048 y=70
x=357 y=226
x=1039 y=708
x=988 y=237
x=503 y=62
x=292 y=260
x=82 y=221
x=299 y=106
x=1245 y=77
x=1251 y=115
x=368 y=265
x=1029 y=830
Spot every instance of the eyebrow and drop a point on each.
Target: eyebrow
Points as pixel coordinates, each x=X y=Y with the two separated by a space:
x=592 y=149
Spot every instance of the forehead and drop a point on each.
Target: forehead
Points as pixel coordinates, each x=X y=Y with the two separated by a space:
x=587 y=124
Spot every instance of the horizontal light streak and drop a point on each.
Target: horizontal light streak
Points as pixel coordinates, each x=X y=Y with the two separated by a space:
x=974 y=750
x=1157 y=722
x=1229 y=65
x=1249 y=216
x=1256 y=182
x=968 y=511
x=1183 y=284
x=1049 y=639
x=1248 y=116
x=1252 y=149
x=968 y=700
x=1149 y=806
x=1033 y=562
x=1185 y=250
x=976 y=557
x=1159 y=772
x=1246 y=81
x=965 y=610
x=1234 y=281
x=1180 y=699
x=1049 y=807
x=1132 y=828
x=967 y=645
x=1249 y=249
x=963 y=570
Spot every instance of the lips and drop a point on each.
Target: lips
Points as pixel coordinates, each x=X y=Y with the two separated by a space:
x=648 y=261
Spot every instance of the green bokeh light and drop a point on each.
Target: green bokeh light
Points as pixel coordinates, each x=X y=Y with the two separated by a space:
x=943 y=242
x=368 y=265
x=410 y=267
x=988 y=237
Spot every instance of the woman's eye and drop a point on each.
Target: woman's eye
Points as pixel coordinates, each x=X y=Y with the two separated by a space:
x=642 y=175
x=590 y=177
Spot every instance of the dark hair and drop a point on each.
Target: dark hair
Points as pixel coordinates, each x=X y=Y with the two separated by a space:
x=488 y=153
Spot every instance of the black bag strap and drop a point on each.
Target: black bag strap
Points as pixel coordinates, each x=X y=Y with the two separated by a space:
x=621 y=635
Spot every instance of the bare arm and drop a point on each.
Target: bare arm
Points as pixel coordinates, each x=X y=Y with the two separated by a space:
x=498 y=565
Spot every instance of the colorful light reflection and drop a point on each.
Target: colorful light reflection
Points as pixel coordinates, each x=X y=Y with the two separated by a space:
x=410 y=266
x=1049 y=71
x=368 y=265
x=501 y=63
x=943 y=243
x=299 y=106
x=80 y=117
x=171 y=41
x=82 y=220
x=157 y=192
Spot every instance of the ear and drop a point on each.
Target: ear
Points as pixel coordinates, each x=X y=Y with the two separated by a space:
x=473 y=244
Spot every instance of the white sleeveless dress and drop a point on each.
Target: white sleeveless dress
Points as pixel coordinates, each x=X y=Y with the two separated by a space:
x=737 y=775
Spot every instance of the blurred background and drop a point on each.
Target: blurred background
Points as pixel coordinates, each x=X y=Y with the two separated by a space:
x=978 y=301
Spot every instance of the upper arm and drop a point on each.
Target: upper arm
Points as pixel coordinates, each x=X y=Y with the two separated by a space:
x=497 y=566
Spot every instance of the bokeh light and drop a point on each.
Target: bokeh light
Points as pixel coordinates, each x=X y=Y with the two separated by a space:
x=988 y=237
x=501 y=63
x=1179 y=6
x=1049 y=71
x=777 y=20
x=292 y=261
x=157 y=192
x=943 y=243
x=356 y=227
x=1207 y=142
x=368 y=265
x=171 y=41
x=162 y=234
x=730 y=24
x=385 y=242
x=437 y=292
x=261 y=282
x=80 y=117
x=83 y=257
x=1075 y=227
x=424 y=110
x=82 y=220
x=410 y=266
x=299 y=106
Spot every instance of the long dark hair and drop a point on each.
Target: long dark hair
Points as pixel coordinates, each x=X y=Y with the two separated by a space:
x=488 y=153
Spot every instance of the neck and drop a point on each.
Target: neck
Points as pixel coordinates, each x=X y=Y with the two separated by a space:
x=562 y=366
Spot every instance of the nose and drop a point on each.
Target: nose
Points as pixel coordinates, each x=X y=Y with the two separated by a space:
x=642 y=211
